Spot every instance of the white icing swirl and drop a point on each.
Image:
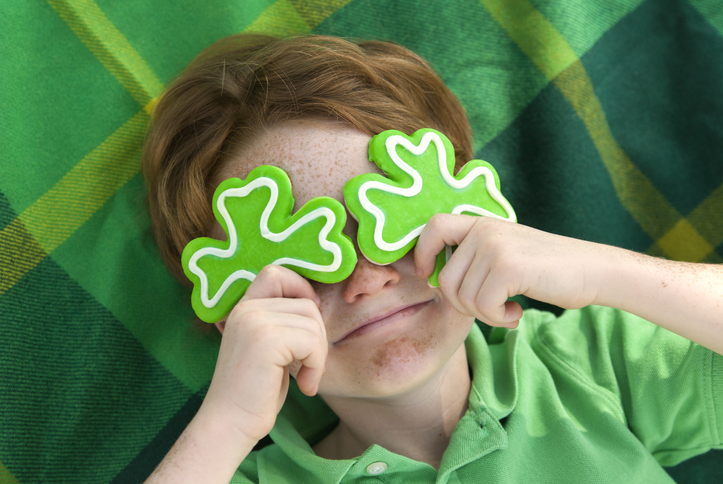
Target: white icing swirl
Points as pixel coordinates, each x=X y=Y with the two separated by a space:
x=429 y=137
x=325 y=244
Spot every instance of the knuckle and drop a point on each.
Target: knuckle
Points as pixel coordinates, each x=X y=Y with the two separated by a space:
x=270 y=271
x=504 y=265
x=485 y=228
x=321 y=343
x=467 y=296
x=486 y=307
x=482 y=224
x=262 y=333
x=444 y=279
x=482 y=301
x=253 y=313
x=436 y=220
x=239 y=311
x=308 y=306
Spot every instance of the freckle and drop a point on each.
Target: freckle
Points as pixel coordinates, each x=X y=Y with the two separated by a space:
x=403 y=349
x=424 y=343
x=388 y=351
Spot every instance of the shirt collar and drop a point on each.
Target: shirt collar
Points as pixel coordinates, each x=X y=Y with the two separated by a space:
x=493 y=396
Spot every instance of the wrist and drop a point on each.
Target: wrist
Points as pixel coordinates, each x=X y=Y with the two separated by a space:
x=609 y=278
x=215 y=425
x=209 y=450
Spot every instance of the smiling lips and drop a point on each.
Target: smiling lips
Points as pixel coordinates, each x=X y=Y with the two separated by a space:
x=382 y=320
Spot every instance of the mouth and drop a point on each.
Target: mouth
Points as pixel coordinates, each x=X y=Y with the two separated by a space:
x=382 y=320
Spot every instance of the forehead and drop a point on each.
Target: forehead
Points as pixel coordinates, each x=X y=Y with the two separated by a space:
x=318 y=156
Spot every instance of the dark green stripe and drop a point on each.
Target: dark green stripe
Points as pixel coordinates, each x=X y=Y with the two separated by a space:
x=79 y=395
x=147 y=459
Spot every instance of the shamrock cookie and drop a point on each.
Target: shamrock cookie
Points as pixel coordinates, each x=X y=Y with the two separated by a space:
x=420 y=168
x=256 y=215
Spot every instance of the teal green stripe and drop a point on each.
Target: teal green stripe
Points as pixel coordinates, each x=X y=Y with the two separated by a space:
x=114 y=258
x=582 y=24
x=80 y=397
x=712 y=11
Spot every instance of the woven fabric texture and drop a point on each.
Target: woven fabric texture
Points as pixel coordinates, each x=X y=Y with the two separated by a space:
x=603 y=119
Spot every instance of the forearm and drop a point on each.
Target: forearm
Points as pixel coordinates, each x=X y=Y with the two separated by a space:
x=682 y=297
x=209 y=451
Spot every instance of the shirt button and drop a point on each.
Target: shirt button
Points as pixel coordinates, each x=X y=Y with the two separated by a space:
x=376 y=468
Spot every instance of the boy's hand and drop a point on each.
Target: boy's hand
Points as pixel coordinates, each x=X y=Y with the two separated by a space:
x=496 y=260
x=275 y=326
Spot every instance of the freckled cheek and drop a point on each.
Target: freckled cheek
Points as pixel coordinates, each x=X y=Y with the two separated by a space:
x=393 y=359
x=397 y=361
x=328 y=293
x=325 y=293
x=401 y=351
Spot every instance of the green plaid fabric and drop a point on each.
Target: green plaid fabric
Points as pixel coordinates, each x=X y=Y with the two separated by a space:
x=604 y=120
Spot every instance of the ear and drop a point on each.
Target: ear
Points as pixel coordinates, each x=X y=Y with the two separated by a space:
x=220 y=325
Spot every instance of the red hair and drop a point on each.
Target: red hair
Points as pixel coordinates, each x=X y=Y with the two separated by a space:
x=244 y=83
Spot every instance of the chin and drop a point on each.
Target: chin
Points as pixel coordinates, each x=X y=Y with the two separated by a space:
x=393 y=368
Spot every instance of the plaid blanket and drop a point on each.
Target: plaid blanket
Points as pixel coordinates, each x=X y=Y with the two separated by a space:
x=604 y=120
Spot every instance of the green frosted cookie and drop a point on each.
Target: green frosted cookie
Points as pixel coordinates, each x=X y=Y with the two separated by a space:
x=256 y=215
x=420 y=182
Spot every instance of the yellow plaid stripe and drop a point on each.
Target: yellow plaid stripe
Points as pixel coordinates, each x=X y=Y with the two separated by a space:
x=314 y=12
x=15 y=240
x=280 y=19
x=79 y=194
x=706 y=217
x=292 y=17
x=6 y=477
x=679 y=238
x=87 y=186
x=84 y=189
x=111 y=48
x=55 y=216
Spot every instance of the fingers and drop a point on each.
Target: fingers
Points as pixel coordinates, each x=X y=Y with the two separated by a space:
x=472 y=288
x=460 y=267
x=284 y=302
x=492 y=302
x=288 y=340
x=441 y=230
x=475 y=280
x=308 y=351
x=276 y=281
x=309 y=377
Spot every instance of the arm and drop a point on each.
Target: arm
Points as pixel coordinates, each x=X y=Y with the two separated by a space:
x=496 y=260
x=275 y=325
x=682 y=297
x=208 y=450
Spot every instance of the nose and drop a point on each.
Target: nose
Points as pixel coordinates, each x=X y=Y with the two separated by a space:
x=368 y=279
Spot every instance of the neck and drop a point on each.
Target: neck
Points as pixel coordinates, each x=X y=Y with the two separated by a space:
x=417 y=424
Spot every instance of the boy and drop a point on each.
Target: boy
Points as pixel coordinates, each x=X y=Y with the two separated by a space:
x=597 y=395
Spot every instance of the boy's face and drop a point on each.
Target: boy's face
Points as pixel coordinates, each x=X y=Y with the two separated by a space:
x=413 y=332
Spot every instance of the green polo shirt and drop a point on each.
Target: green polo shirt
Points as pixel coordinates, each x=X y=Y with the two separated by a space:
x=596 y=395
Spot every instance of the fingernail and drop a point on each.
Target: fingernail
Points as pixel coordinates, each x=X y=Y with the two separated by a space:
x=418 y=271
